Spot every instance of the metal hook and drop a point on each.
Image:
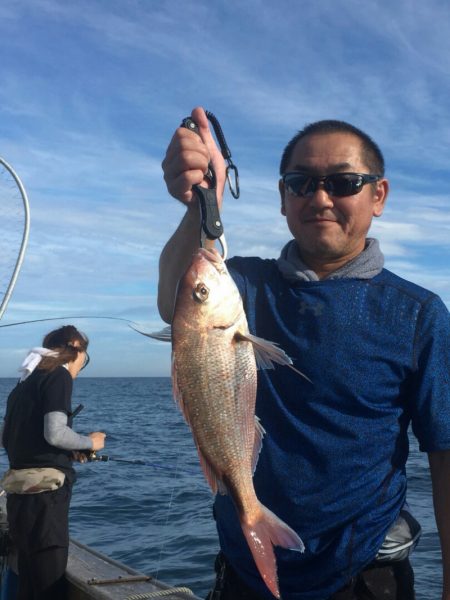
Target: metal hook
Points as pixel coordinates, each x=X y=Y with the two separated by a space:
x=211 y=228
x=226 y=153
x=234 y=189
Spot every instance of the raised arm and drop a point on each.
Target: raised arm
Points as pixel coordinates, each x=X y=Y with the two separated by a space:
x=440 y=477
x=184 y=165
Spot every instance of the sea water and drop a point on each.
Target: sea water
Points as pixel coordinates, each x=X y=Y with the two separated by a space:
x=157 y=517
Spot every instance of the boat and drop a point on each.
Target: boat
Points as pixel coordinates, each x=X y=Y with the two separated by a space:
x=92 y=575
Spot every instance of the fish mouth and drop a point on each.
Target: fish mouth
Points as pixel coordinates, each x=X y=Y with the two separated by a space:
x=213 y=257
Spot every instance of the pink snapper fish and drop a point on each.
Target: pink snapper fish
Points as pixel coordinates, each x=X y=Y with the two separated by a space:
x=214 y=375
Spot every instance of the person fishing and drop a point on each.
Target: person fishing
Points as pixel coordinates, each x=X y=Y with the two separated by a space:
x=40 y=444
x=376 y=349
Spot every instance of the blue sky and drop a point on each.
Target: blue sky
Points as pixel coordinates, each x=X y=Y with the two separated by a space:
x=91 y=92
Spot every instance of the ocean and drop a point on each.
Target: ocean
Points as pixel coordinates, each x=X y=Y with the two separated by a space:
x=157 y=517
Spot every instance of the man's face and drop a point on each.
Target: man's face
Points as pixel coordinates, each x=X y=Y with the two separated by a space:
x=327 y=228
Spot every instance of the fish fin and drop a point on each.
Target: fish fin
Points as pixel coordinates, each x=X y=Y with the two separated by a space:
x=176 y=392
x=261 y=536
x=223 y=490
x=165 y=335
x=259 y=434
x=214 y=482
x=267 y=353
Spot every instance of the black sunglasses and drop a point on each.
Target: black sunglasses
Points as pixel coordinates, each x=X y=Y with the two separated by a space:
x=336 y=184
x=86 y=360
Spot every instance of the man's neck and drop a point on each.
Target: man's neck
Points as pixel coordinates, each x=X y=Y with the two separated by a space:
x=324 y=266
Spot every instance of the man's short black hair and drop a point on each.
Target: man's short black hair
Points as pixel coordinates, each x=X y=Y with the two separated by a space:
x=371 y=153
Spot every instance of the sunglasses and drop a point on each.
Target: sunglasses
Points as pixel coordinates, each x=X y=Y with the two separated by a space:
x=336 y=184
x=86 y=360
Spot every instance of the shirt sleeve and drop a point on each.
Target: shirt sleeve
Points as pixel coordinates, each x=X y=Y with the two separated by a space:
x=430 y=406
x=59 y=434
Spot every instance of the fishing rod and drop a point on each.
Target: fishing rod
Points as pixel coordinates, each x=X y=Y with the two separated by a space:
x=94 y=457
x=67 y=319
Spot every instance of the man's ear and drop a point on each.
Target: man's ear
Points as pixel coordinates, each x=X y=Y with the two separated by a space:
x=381 y=194
x=282 y=189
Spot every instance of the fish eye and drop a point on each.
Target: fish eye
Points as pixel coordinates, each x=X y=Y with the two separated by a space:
x=201 y=292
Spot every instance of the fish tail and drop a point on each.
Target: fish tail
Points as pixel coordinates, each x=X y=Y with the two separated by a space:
x=262 y=535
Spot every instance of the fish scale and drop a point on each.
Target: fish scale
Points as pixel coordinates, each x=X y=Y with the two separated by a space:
x=214 y=422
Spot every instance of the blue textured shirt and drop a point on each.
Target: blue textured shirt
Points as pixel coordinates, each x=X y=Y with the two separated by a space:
x=333 y=459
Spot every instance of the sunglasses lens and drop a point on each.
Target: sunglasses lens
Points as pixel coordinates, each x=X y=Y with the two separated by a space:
x=297 y=183
x=337 y=184
x=86 y=361
x=347 y=184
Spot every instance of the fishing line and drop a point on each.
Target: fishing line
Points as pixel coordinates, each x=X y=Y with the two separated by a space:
x=107 y=458
x=67 y=319
x=166 y=524
x=176 y=470
x=15 y=219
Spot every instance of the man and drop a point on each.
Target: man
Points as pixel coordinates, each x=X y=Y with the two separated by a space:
x=375 y=347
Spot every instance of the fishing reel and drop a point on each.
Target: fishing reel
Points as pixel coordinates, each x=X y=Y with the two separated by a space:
x=94 y=457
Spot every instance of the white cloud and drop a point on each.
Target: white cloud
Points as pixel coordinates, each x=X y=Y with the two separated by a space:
x=91 y=93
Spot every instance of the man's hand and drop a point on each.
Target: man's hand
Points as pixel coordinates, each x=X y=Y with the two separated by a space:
x=185 y=165
x=98 y=440
x=187 y=158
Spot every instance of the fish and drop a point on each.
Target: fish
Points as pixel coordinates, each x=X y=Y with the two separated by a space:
x=214 y=377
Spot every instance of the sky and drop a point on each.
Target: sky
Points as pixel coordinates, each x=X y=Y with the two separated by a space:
x=92 y=91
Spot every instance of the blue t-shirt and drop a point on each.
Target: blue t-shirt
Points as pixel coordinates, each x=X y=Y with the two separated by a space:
x=332 y=465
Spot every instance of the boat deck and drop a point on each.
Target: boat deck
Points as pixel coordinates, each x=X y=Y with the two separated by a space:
x=94 y=576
